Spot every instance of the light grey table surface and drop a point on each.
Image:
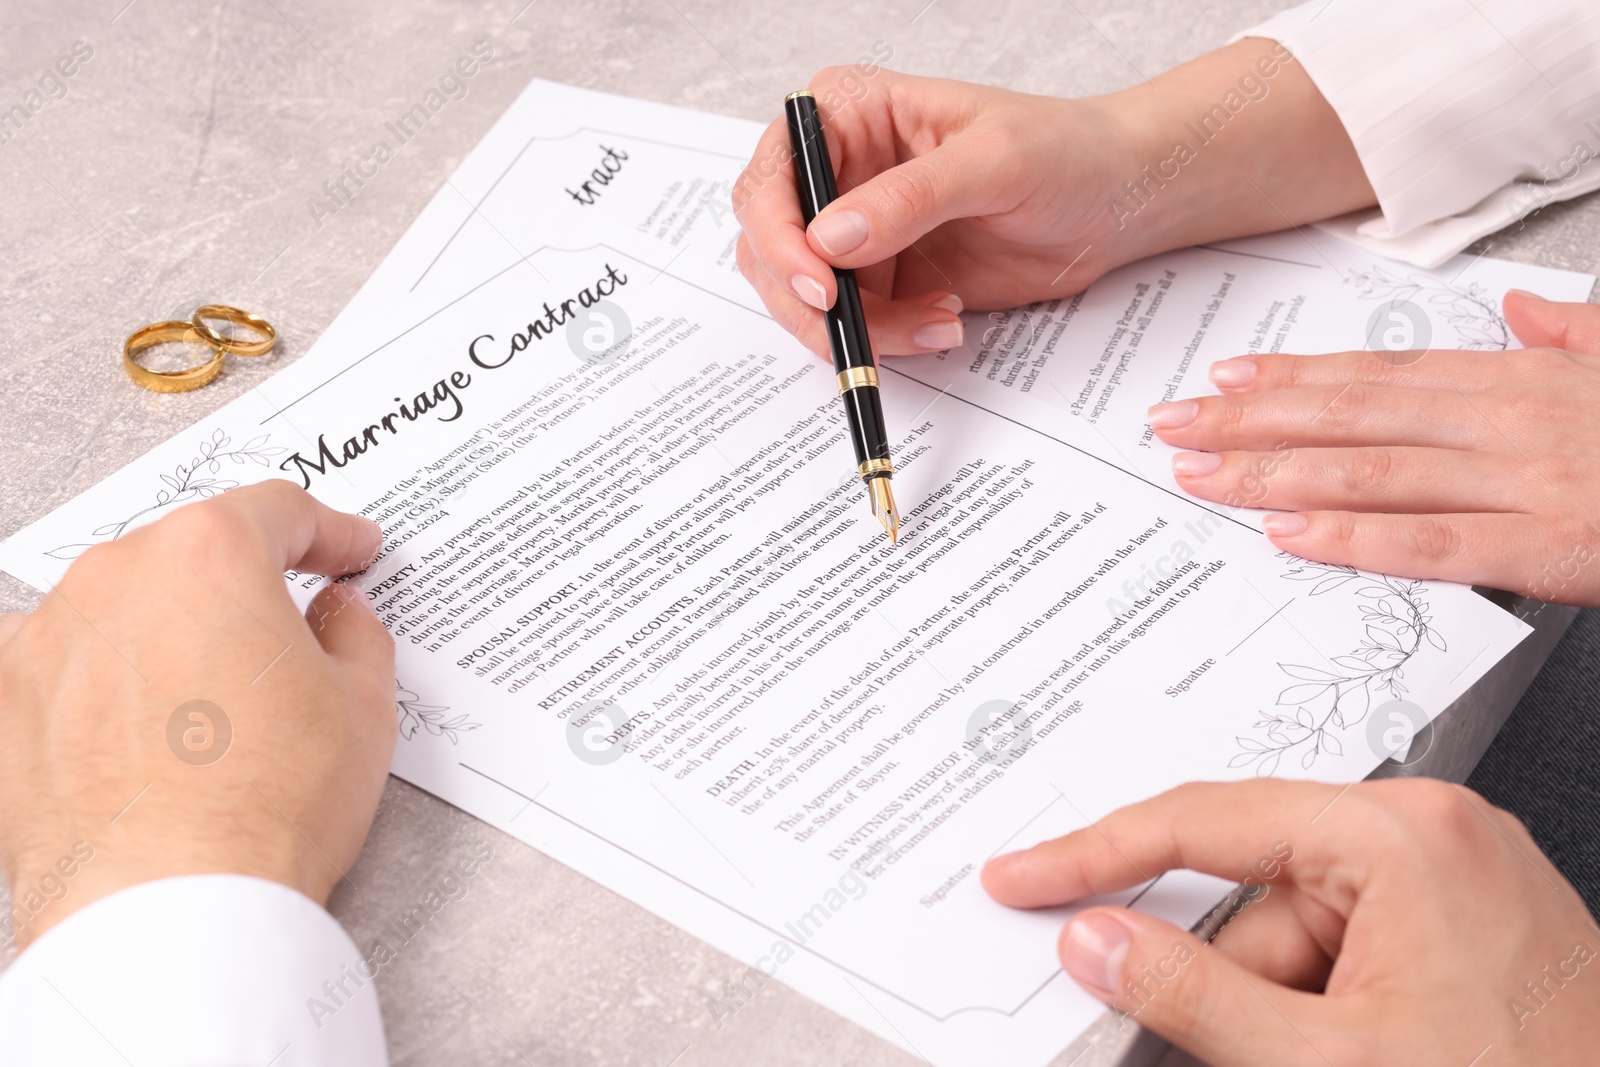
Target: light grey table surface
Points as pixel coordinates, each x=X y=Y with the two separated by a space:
x=178 y=169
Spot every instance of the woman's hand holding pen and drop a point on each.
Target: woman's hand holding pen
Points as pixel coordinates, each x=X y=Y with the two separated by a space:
x=956 y=195
x=1471 y=466
x=1479 y=467
x=954 y=168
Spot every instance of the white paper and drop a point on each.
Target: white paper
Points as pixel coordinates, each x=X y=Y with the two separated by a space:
x=809 y=741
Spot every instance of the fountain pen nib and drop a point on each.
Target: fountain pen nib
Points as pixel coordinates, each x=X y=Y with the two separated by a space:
x=883 y=507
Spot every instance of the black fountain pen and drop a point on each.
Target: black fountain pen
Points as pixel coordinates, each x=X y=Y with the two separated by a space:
x=847 y=324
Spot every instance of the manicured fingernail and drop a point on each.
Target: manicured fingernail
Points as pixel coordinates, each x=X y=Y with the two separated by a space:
x=1196 y=464
x=1286 y=525
x=950 y=302
x=1173 y=415
x=1233 y=371
x=810 y=290
x=841 y=231
x=1093 y=952
x=939 y=334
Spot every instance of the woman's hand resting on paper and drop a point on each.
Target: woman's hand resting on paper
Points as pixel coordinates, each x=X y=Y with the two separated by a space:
x=955 y=195
x=168 y=711
x=1403 y=922
x=1479 y=467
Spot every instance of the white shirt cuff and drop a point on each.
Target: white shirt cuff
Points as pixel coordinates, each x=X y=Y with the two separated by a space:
x=1466 y=116
x=204 y=969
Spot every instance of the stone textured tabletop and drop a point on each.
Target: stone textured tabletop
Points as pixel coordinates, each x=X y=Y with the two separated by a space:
x=179 y=167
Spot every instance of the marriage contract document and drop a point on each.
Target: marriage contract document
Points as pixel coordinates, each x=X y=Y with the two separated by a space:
x=646 y=624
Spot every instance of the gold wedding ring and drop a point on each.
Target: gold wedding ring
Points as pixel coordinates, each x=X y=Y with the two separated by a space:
x=196 y=331
x=169 y=381
x=239 y=317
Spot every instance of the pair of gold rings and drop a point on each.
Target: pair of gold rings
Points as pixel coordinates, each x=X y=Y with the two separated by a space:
x=197 y=330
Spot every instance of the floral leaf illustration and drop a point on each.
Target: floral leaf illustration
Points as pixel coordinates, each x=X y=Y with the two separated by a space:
x=415 y=715
x=1395 y=623
x=1330 y=583
x=1301 y=694
x=1381 y=637
x=1470 y=309
x=185 y=483
x=1308 y=674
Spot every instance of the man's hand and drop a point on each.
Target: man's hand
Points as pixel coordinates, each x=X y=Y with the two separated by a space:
x=1479 y=467
x=1396 y=922
x=276 y=775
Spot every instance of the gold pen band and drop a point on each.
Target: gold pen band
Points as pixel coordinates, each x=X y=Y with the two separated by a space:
x=801 y=92
x=875 y=466
x=856 y=377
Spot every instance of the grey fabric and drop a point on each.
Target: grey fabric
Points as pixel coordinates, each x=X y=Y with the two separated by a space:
x=1544 y=767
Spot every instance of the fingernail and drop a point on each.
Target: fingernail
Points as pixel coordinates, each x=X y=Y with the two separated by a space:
x=1523 y=292
x=371 y=557
x=939 y=334
x=840 y=232
x=950 y=302
x=1286 y=525
x=1196 y=464
x=1004 y=860
x=354 y=595
x=1093 y=952
x=1233 y=371
x=1173 y=415
x=810 y=290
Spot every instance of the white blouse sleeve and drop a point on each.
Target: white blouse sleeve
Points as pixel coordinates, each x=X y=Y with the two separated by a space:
x=200 y=970
x=1467 y=115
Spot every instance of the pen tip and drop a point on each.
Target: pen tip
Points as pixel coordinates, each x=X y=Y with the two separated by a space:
x=884 y=508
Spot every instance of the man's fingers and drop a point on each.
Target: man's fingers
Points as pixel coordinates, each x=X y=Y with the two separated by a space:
x=1416 y=481
x=297 y=531
x=1324 y=416
x=1271 y=937
x=1167 y=980
x=1515 y=552
x=10 y=623
x=1259 y=832
x=342 y=620
x=1541 y=323
x=1233 y=830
